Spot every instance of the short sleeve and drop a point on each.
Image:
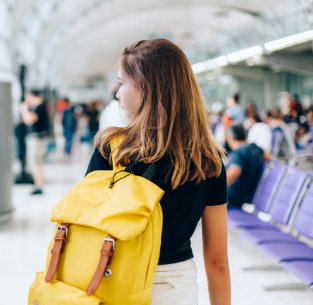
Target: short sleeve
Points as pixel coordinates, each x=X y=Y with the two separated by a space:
x=217 y=190
x=236 y=158
x=98 y=162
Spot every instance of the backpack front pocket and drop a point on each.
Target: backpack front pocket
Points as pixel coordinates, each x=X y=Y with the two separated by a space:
x=58 y=293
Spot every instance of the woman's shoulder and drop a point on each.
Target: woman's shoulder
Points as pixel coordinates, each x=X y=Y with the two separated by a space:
x=98 y=161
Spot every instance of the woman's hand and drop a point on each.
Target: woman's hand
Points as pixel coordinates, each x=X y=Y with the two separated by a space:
x=214 y=232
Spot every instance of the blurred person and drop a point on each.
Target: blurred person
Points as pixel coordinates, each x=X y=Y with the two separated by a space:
x=293 y=120
x=62 y=104
x=243 y=167
x=167 y=117
x=251 y=109
x=217 y=126
x=260 y=134
x=83 y=128
x=219 y=134
x=303 y=136
x=309 y=116
x=216 y=114
x=113 y=115
x=69 y=123
x=264 y=116
x=284 y=102
x=296 y=104
x=35 y=116
x=93 y=115
x=217 y=107
x=309 y=120
x=287 y=147
x=234 y=110
x=293 y=117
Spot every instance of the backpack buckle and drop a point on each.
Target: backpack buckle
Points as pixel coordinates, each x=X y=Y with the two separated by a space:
x=63 y=228
x=109 y=239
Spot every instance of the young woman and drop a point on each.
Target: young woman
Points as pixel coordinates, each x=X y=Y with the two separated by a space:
x=167 y=125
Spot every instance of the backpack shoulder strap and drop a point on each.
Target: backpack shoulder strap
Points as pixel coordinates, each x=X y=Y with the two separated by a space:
x=113 y=144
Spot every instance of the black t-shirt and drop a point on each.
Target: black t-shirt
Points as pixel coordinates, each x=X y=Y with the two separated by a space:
x=250 y=159
x=41 y=126
x=182 y=207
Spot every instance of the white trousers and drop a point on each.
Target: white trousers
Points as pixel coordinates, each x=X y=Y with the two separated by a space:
x=176 y=284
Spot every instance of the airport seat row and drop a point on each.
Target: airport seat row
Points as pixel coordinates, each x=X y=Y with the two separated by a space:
x=277 y=138
x=282 y=219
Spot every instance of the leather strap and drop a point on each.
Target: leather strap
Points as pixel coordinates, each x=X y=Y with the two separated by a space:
x=107 y=253
x=58 y=248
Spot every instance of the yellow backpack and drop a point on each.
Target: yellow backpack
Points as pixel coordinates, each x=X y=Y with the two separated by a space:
x=107 y=241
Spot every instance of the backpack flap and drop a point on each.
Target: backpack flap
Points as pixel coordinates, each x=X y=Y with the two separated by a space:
x=121 y=211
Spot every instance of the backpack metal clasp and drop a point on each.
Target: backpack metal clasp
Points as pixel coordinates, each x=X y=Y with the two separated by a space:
x=109 y=239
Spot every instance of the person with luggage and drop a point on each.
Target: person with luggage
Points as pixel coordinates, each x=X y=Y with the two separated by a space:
x=167 y=125
x=123 y=233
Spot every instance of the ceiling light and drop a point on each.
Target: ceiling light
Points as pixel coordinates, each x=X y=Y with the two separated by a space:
x=289 y=41
x=244 y=54
x=253 y=61
x=210 y=64
x=199 y=67
x=221 y=61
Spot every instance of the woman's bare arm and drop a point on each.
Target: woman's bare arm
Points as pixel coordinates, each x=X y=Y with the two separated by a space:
x=214 y=232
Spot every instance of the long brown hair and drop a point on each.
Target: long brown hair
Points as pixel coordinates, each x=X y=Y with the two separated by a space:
x=171 y=117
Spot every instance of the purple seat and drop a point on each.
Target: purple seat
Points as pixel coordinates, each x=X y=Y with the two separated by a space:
x=288 y=252
x=264 y=166
x=303 y=270
x=235 y=214
x=263 y=199
x=305 y=153
x=304 y=219
x=277 y=136
x=261 y=236
x=311 y=130
x=304 y=226
x=252 y=222
x=288 y=197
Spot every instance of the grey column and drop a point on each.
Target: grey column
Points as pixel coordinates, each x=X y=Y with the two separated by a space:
x=6 y=137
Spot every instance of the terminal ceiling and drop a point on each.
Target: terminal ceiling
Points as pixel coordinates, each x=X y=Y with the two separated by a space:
x=67 y=41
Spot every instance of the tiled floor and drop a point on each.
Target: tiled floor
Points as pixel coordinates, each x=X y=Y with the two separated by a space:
x=25 y=239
